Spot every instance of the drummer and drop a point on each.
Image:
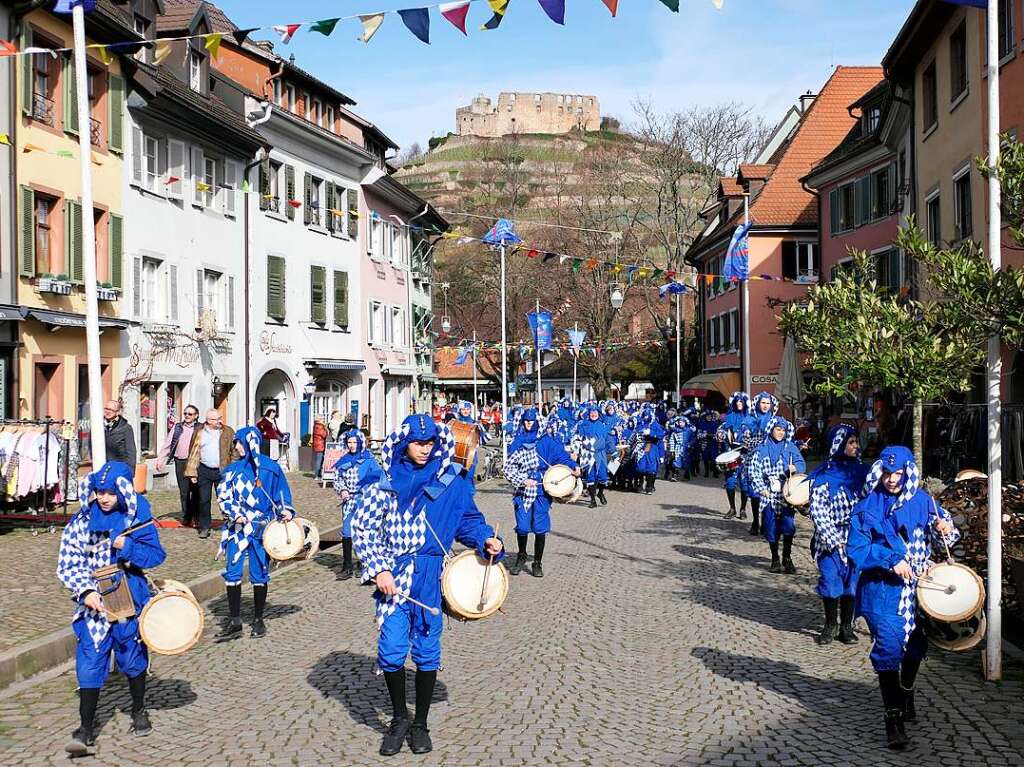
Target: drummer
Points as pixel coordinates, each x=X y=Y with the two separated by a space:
x=707 y=428
x=464 y=414
x=403 y=527
x=95 y=537
x=529 y=456
x=648 y=455
x=891 y=535
x=684 y=442
x=595 y=434
x=766 y=406
x=737 y=431
x=355 y=470
x=776 y=459
x=252 y=493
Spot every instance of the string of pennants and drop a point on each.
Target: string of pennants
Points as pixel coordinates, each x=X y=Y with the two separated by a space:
x=529 y=349
x=416 y=20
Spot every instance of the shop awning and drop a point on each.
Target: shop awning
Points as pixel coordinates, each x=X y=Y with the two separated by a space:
x=325 y=364
x=11 y=313
x=724 y=382
x=69 y=320
x=398 y=370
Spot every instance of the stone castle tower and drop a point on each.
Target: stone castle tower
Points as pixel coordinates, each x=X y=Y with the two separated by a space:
x=528 y=113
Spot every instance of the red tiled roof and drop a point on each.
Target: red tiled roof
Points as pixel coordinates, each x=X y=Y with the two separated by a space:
x=756 y=172
x=178 y=14
x=446 y=369
x=730 y=187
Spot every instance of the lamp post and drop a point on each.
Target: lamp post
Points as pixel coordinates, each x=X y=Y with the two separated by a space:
x=617 y=297
x=446 y=322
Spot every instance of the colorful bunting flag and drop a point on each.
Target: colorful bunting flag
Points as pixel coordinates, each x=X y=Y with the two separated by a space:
x=672 y=5
x=7 y=48
x=591 y=263
x=287 y=31
x=295 y=203
x=202 y=186
x=555 y=9
x=5 y=139
x=163 y=50
x=66 y=154
x=325 y=26
x=576 y=264
x=456 y=14
x=371 y=23
x=499 y=7
x=31 y=148
x=562 y=260
x=246 y=186
x=613 y=6
x=105 y=55
x=212 y=44
x=240 y=35
x=549 y=256
x=172 y=180
x=533 y=253
x=417 y=21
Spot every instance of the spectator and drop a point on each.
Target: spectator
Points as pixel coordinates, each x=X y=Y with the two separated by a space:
x=268 y=429
x=319 y=443
x=208 y=455
x=176 y=447
x=118 y=435
x=335 y=426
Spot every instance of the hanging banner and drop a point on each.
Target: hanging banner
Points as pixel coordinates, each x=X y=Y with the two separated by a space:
x=540 y=324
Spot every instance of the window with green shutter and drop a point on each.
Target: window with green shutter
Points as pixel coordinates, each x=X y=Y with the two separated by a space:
x=318 y=294
x=351 y=208
x=115 y=247
x=329 y=205
x=28 y=233
x=289 y=191
x=341 y=300
x=275 y=288
x=70 y=96
x=73 y=241
x=115 y=121
x=833 y=211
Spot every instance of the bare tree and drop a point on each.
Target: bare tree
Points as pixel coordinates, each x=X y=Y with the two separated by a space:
x=414 y=152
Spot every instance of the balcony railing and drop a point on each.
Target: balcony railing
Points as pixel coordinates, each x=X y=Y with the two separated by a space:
x=42 y=109
x=95 y=132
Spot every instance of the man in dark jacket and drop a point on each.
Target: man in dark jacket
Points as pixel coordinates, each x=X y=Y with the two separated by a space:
x=118 y=434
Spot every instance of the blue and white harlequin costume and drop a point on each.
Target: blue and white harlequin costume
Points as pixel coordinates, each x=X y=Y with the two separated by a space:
x=86 y=545
x=464 y=414
x=595 y=439
x=648 y=454
x=885 y=530
x=738 y=430
x=769 y=469
x=354 y=471
x=836 y=486
x=682 y=441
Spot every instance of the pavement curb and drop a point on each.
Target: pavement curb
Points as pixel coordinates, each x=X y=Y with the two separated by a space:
x=46 y=652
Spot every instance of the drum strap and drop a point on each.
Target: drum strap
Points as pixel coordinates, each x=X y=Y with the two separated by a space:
x=447 y=556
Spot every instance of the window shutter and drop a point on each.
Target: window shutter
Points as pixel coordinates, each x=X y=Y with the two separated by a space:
x=351 y=208
x=789 y=260
x=137 y=154
x=894 y=188
x=70 y=96
x=307 y=198
x=265 y=183
x=137 y=287
x=864 y=200
x=329 y=205
x=26 y=73
x=341 y=300
x=76 y=268
x=28 y=232
x=172 y=289
x=176 y=163
x=289 y=191
x=115 y=248
x=231 y=302
x=833 y=211
x=198 y=196
x=115 y=122
x=275 y=288
x=228 y=203
x=199 y=295
x=318 y=294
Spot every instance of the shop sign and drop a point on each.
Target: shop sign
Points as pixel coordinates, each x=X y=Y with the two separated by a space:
x=269 y=344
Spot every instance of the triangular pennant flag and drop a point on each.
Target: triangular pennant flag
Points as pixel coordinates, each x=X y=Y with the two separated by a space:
x=105 y=55
x=371 y=23
x=656 y=273
x=417 y=21
x=562 y=259
x=65 y=153
x=287 y=31
x=549 y=256
x=31 y=148
x=5 y=139
x=325 y=26
x=172 y=180
x=456 y=14
x=202 y=186
x=499 y=7
x=591 y=263
x=642 y=273
x=212 y=44
x=295 y=203
x=246 y=186
x=532 y=253
x=576 y=264
x=613 y=6
x=617 y=268
x=672 y=5
x=7 y=48
x=163 y=50
x=555 y=9
x=241 y=34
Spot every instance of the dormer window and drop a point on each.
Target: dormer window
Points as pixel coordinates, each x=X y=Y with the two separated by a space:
x=872 y=116
x=196 y=65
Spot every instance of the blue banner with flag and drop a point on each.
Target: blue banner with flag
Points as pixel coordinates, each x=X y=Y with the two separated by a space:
x=576 y=338
x=464 y=352
x=502 y=233
x=540 y=324
x=737 y=258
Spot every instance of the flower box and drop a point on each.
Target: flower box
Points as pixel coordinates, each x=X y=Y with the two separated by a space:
x=106 y=294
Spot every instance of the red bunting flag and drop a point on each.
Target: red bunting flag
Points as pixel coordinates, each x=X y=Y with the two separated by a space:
x=286 y=31
x=613 y=6
x=295 y=203
x=172 y=180
x=591 y=263
x=532 y=254
x=7 y=48
x=456 y=14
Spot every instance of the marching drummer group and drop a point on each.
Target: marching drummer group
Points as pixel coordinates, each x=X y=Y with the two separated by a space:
x=874 y=528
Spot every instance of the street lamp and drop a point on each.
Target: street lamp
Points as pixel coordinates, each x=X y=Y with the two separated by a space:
x=446 y=323
x=616 y=297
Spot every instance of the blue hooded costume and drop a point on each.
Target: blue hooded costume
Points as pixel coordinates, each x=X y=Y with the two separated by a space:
x=353 y=472
x=887 y=529
x=252 y=493
x=468 y=417
x=836 y=487
x=598 y=444
x=707 y=429
x=738 y=429
x=85 y=546
x=769 y=468
x=649 y=450
x=405 y=524
x=529 y=456
x=682 y=441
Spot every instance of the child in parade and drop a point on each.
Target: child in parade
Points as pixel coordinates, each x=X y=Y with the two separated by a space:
x=776 y=459
x=354 y=471
x=647 y=455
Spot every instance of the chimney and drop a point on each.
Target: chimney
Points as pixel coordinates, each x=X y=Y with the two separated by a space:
x=806 y=100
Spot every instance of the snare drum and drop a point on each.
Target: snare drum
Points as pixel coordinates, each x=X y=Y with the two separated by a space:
x=951 y=601
x=467 y=440
x=172 y=621
x=577 y=492
x=462 y=583
x=559 y=482
x=730 y=460
x=311 y=538
x=112 y=584
x=283 y=540
x=796 y=491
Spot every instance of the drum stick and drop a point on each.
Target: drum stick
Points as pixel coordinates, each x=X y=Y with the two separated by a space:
x=948 y=588
x=128 y=531
x=487 y=577
x=428 y=608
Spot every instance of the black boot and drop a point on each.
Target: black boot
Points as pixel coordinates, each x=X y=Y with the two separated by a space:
x=743 y=505
x=600 y=495
x=731 y=495
x=908 y=676
x=776 y=565
x=393 y=739
x=419 y=735
x=259 y=599
x=828 y=633
x=346 y=559
x=520 y=557
x=892 y=701
x=592 y=492
x=787 y=555
x=667 y=474
x=707 y=469
x=846 y=633
x=84 y=737
x=232 y=628
x=755 y=515
x=140 y=719
x=686 y=474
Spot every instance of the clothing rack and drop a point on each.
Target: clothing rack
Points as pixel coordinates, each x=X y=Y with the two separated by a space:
x=40 y=512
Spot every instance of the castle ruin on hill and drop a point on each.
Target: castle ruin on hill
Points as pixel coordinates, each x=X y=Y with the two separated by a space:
x=528 y=113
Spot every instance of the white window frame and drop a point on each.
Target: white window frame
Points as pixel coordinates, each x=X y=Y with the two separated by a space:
x=151 y=297
x=228 y=190
x=806 y=251
x=316 y=195
x=210 y=173
x=398 y=326
x=195 y=70
x=276 y=91
x=329 y=118
x=935 y=194
x=375 y=323
x=289 y=92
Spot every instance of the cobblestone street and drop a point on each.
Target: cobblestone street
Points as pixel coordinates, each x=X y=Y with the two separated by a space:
x=657 y=637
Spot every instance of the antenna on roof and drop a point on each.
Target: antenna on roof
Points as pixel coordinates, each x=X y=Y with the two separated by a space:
x=291 y=59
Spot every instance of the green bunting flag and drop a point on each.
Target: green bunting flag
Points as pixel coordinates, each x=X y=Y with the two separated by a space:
x=672 y=5
x=325 y=27
x=576 y=264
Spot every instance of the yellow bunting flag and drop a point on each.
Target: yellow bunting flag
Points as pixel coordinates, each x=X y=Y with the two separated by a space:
x=643 y=272
x=709 y=278
x=212 y=44
x=163 y=50
x=202 y=186
x=5 y=139
x=371 y=23
x=105 y=55
x=617 y=268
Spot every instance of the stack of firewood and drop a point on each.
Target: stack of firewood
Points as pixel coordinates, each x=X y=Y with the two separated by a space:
x=967 y=501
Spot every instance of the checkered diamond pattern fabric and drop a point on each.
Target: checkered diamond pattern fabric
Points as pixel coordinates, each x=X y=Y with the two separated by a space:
x=831 y=517
x=522 y=465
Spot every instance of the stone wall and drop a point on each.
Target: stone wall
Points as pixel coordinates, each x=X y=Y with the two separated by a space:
x=528 y=113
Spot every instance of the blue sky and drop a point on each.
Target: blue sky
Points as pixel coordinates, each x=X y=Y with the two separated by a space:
x=763 y=53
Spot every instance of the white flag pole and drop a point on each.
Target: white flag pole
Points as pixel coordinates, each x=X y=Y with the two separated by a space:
x=575 y=358
x=994 y=646
x=476 y=402
x=536 y=340
x=504 y=360
x=745 y=301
